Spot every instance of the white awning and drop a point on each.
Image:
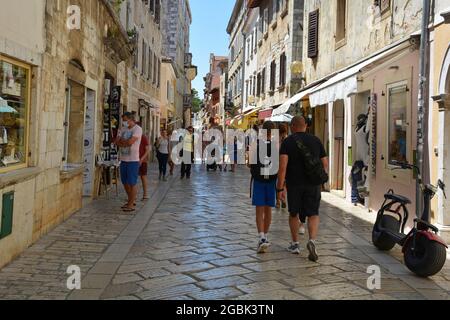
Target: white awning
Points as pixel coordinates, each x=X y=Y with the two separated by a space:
x=345 y=83
x=284 y=108
x=281 y=118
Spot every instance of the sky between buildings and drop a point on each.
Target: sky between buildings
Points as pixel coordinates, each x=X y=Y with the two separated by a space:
x=208 y=34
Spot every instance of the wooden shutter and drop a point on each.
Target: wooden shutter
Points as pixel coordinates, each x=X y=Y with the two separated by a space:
x=263 y=81
x=313 y=34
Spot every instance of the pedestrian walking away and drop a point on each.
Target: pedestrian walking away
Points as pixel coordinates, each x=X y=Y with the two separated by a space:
x=163 y=154
x=129 y=141
x=302 y=159
x=187 y=153
x=283 y=132
x=170 y=161
x=263 y=189
x=144 y=151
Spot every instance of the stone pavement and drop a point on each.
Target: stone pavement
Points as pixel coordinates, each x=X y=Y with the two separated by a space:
x=196 y=239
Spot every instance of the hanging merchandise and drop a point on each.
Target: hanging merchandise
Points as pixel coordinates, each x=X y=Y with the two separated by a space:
x=357 y=180
x=362 y=140
x=373 y=135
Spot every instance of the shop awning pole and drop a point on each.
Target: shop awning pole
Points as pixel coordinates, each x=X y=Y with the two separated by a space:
x=421 y=112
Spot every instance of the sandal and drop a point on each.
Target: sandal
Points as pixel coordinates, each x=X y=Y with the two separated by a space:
x=145 y=198
x=126 y=206
x=128 y=209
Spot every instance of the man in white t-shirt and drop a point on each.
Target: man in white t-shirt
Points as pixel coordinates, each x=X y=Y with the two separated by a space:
x=129 y=140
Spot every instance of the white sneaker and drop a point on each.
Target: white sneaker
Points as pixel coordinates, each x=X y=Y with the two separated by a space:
x=263 y=245
x=302 y=230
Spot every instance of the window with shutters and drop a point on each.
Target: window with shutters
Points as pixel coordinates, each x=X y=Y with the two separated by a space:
x=273 y=69
x=150 y=65
x=263 y=81
x=283 y=70
x=266 y=23
x=258 y=84
x=155 y=68
x=384 y=5
x=144 y=58
x=152 y=6
x=341 y=23
x=284 y=8
x=313 y=34
x=157 y=11
x=136 y=52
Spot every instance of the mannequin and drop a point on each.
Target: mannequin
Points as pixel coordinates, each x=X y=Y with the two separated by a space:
x=362 y=140
x=358 y=177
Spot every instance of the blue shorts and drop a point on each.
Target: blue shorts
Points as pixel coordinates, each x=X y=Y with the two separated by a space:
x=264 y=193
x=129 y=172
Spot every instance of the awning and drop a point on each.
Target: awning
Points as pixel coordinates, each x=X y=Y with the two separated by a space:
x=345 y=82
x=251 y=111
x=281 y=118
x=264 y=114
x=284 y=108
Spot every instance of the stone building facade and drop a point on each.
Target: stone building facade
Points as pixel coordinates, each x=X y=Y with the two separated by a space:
x=143 y=22
x=53 y=78
x=176 y=24
x=236 y=55
x=279 y=44
x=368 y=65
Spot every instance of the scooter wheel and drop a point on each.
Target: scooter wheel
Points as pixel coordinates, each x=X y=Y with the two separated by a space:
x=428 y=257
x=382 y=241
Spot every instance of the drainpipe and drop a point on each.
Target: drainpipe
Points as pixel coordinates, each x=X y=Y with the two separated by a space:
x=422 y=103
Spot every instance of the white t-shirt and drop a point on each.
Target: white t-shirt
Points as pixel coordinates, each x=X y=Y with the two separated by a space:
x=131 y=154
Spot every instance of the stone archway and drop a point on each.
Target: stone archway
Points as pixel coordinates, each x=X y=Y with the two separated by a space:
x=443 y=100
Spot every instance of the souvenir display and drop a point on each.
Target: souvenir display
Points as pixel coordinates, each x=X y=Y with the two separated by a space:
x=13 y=114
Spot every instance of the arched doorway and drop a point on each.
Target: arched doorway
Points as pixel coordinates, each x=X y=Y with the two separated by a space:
x=443 y=100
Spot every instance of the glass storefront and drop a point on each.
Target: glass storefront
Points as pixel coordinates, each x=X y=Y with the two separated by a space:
x=14 y=105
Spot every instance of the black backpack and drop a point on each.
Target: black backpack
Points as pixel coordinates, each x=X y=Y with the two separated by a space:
x=255 y=169
x=314 y=169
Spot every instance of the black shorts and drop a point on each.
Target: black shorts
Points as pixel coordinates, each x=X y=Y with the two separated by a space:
x=304 y=201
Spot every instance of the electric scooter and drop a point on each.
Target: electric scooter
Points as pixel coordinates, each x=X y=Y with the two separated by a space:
x=423 y=250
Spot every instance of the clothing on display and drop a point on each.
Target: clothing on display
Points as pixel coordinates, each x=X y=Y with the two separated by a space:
x=358 y=179
x=362 y=140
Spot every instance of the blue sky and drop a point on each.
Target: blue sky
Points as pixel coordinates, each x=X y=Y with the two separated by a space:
x=208 y=34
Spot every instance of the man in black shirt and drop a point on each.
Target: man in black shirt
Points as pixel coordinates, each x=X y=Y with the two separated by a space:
x=303 y=196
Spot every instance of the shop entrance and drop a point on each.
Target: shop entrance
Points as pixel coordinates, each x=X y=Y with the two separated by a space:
x=320 y=129
x=337 y=180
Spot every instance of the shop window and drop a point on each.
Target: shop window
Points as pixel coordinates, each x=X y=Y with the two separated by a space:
x=398 y=123
x=14 y=110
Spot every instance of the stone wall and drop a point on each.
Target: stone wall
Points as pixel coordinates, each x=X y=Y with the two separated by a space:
x=44 y=194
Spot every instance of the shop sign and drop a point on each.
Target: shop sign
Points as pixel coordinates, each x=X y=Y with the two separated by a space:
x=187 y=101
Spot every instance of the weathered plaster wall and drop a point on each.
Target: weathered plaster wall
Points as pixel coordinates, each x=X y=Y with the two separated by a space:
x=366 y=32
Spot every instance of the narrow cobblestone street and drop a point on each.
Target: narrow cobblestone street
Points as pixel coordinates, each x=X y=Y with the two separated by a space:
x=195 y=239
